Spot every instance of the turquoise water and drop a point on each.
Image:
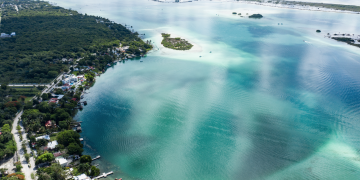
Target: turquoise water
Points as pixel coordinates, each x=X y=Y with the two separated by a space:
x=269 y=102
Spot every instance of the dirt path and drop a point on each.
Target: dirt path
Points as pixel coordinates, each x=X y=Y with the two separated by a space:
x=26 y=170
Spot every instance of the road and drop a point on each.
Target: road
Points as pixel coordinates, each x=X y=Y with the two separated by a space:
x=26 y=170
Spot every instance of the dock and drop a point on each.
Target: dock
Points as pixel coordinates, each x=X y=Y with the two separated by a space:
x=103 y=175
x=97 y=157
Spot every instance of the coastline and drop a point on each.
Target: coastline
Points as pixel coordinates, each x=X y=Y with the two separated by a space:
x=30 y=166
x=310 y=8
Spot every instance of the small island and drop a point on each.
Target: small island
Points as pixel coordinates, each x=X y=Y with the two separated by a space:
x=318 y=31
x=256 y=16
x=175 y=43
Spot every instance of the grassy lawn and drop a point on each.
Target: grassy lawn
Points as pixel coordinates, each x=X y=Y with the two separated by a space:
x=27 y=91
x=53 y=137
x=28 y=99
x=75 y=73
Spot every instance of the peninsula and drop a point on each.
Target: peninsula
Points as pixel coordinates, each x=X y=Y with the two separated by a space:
x=175 y=43
x=47 y=39
x=65 y=50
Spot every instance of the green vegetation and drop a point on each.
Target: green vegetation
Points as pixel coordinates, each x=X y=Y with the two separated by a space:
x=53 y=172
x=85 y=159
x=346 y=40
x=15 y=176
x=47 y=157
x=175 y=43
x=331 y=6
x=46 y=34
x=256 y=16
x=8 y=109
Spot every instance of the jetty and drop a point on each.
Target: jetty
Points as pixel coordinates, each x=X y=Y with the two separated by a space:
x=97 y=157
x=103 y=175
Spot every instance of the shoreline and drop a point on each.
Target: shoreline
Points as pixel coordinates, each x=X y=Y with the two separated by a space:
x=66 y=105
x=296 y=7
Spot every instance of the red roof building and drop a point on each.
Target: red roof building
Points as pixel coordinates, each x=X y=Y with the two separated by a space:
x=48 y=124
x=74 y=99
x=53 y=100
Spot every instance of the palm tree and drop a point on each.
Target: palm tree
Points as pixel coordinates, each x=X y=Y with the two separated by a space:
x=57 y=172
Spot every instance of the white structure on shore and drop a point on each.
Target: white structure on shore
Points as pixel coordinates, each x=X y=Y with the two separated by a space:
x=82 y=177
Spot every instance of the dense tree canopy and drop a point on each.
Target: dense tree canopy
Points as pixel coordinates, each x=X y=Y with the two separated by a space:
x=46 y=34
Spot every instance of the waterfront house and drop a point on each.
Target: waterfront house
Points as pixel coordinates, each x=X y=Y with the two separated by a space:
x=126 y=48
x=13 y=34
x=52 y=144
x=82 y=177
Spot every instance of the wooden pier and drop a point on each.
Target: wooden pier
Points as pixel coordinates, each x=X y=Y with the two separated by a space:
x=103 y=175
x=97 y=157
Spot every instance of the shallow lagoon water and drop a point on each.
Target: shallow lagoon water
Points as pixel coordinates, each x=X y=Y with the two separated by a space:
x=269 y=102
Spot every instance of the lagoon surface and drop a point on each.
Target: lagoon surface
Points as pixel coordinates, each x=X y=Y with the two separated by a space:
x=270 y=101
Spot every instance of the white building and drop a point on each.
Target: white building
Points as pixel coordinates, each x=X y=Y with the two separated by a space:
x=52 y=144
x=82 y=177
x=70 y=79
x=47 y=137
x=61 y=160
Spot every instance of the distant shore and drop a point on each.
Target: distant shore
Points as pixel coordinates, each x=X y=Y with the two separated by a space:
x=307 y=6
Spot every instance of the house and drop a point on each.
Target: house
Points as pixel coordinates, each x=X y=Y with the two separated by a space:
x=53 y=100
x=74 y=99
x=82 y=177
x=4 y=35
x=52 y=144
x=65 y=87
x=47 y=137
x=70 y=79
x=58 y=96
x=76 y=69
x=61 y=160
x=13 y=34
x=57 y=154
x=126 y=48
x=48 y=124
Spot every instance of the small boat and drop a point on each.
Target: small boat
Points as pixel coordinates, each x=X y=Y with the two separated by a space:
x=141 y=61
